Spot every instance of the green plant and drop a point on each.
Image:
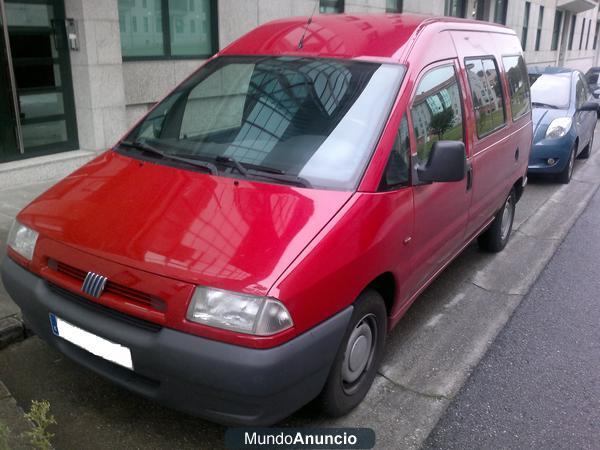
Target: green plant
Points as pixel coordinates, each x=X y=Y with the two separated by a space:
x=4 y=431
x=39 y=415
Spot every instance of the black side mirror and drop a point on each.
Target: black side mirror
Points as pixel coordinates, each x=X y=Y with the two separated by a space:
x=447 y=162
x=589 y=106
x=596 y=93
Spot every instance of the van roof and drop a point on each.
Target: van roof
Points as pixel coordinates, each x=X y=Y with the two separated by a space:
x=357 y=36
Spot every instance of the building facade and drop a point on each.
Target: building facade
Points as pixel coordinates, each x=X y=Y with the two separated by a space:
x=75 y=74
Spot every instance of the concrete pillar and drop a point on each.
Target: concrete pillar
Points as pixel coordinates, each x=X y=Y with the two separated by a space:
x=97 y=73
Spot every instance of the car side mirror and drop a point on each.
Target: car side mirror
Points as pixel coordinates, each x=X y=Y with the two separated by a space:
x=589 y=106
x=596 y=93
x=447 y=162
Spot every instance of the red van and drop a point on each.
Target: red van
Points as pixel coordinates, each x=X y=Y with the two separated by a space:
x=246 y=247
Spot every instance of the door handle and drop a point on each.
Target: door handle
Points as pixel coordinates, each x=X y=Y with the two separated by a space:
x=517 y=154
x=469 y=176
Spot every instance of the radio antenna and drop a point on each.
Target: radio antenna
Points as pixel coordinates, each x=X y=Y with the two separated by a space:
x=308 y=22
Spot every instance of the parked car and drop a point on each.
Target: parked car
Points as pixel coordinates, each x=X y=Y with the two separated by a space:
x=591 y=76
x=564 y=119
x=246 y=247
x=535 y=72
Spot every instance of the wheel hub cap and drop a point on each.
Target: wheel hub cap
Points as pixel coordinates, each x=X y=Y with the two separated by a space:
x=359 y=351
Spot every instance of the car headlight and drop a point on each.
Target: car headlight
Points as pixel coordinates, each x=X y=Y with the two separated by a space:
x=558 y=128
x=261 y=316
x=22 y=240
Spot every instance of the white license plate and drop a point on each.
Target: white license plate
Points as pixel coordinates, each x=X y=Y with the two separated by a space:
x=96 y=345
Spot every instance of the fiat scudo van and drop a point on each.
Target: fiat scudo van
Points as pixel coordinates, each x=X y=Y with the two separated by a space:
x=246 y=247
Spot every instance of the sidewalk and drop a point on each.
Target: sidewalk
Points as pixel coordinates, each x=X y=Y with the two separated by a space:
x=11 y=202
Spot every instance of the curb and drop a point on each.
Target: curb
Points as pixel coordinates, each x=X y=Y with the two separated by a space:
x=12 y=330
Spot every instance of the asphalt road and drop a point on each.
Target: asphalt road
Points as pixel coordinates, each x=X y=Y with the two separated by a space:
x=429 y=355
x=538 y=385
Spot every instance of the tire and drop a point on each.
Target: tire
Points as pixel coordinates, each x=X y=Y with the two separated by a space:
x=352 y=374
x=585 y=154
x=565 y=176
x=495 y=238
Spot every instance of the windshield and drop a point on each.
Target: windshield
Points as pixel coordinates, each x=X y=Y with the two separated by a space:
x=552 y=91
x=314 y=119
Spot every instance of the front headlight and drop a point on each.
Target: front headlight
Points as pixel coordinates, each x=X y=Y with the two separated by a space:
x=22 y=240
x=261 y=316
x=558 y=128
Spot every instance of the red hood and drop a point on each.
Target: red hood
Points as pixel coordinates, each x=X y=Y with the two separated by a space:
x=216 y=231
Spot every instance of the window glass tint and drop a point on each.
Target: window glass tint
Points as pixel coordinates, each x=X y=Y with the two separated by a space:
x=581 y=92
x=190 y=27
x=397 y=169
x=318 y=119
x=486 y=91
x=436 y=111
x=185 y=31
x=592 y=78
x=136 y=41
x=518 y=85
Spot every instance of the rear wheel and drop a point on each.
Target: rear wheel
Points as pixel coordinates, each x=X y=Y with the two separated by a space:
x=358 y=357
x=495 y=238
x=565 y=176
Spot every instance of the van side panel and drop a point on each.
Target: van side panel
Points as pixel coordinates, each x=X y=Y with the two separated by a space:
x=493 y=155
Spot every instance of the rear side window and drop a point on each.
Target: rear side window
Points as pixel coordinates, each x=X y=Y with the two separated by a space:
x=436 y=110
x=518 y=85
x=396 y=172
x=486 y=90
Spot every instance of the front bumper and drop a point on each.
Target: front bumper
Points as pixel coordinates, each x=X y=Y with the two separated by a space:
x=557 y=149
x=221 y=382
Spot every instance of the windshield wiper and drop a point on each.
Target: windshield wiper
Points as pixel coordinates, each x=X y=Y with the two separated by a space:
x=283 y=177
x=260 y=171
x=145 y=147
x=543 y=105
x=230 y=160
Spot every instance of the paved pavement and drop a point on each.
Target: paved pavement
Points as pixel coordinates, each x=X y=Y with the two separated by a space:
x=429 y=355
x=538 y=386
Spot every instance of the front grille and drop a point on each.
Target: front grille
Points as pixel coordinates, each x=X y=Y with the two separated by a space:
x=138 y=297
x=101 y=309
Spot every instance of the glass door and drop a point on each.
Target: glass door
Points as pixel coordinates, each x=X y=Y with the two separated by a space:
x=42 y=73
x=9 y=146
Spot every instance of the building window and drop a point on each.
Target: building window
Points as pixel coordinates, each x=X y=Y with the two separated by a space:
x=538 y=35
x=331 y=6
x=596 y=35
x=455 y=8
x=525 y=25
x=556 y=29
x=587 y=39
x=393 y=6
x=500 y=11
x=572 y=32
x=581 y=35
x=164 y=34
x=486 y=91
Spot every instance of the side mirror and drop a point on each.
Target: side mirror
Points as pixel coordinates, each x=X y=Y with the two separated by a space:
x=589 y=106
x=447 y=162
x=596 y=93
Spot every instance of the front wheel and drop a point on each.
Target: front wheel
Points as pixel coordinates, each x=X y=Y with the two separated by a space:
x=495 y=238
x=565 y=176
x=358 y=357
